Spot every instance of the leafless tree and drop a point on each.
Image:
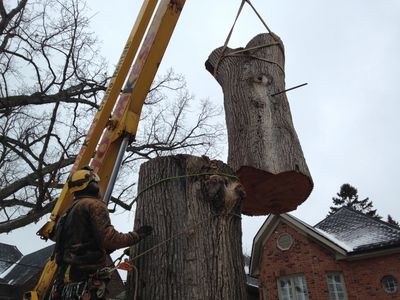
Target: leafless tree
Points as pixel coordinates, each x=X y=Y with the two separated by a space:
x=52 y=79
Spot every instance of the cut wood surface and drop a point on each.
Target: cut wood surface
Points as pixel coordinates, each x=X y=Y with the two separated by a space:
x=193 y=204
x=264 y=148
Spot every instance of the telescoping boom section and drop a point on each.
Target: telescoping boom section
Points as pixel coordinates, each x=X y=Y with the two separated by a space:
x=107 y=138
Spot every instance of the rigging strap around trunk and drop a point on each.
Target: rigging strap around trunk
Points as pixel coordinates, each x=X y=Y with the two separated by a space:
x=222 y=55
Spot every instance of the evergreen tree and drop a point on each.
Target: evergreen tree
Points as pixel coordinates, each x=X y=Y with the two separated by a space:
x=392 y=221
x=348 y=196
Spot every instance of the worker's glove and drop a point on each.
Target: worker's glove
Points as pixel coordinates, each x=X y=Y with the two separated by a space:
x=144 y=231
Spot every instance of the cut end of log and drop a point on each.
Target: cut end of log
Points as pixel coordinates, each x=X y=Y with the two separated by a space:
x=273 y=193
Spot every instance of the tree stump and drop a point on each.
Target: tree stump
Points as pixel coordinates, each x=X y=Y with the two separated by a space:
x=195 y=214
x=264 y=148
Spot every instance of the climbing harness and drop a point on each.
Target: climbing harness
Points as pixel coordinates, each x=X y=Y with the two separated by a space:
x=75 y=290
x=96 y=284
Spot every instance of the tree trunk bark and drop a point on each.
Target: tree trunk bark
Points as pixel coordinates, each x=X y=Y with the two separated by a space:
x=264 y=148
x=195 y=214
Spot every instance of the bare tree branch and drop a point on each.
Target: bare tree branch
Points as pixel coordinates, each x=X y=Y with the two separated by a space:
x=52 y=80
x=38 y=99
x=27 y=219
x=32 y=178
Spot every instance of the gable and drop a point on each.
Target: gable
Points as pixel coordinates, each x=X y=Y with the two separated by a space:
x=269 y=227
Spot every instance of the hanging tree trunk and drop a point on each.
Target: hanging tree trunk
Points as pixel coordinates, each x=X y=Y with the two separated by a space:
x=264 y=148
x=197 y=230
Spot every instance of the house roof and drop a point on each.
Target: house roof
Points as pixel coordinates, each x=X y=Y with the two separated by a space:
x=347 y=233
x=28 y=266
x=359 y=232
x=9 y=254
x=252 y=281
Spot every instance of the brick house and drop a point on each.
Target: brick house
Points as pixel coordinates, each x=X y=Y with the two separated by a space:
x=348 y=255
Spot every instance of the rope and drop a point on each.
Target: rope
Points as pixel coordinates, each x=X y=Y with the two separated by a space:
x=222 y=56
x=178 y=177
x=173 y=237
x=228 y=38
x=136 y=282
x=253 y=48
x=113 y=268
x=260 y=58
x=259 y=16
x=179 y=234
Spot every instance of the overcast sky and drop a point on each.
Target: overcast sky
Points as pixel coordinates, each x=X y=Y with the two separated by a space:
x=346 y=117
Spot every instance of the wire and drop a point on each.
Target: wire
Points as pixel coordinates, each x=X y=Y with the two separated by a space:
x=136 y=282
x=258 y=15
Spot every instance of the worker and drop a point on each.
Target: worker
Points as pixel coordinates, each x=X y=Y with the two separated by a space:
x=84 y=238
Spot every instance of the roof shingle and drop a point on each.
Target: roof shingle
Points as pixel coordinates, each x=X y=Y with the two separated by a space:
x=358 y=231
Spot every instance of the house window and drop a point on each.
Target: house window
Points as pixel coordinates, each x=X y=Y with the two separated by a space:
x=292 y=288
x=389 y=284
x=284 y=241
x=336 y=286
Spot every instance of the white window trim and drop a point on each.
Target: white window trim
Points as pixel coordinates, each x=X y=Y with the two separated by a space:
x=291 y=240
x=384 y=287
x=292 y=276
x=333 y=297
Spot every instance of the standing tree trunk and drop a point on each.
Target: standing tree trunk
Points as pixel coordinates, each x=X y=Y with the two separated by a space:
x=264 y=148
x=197 y=230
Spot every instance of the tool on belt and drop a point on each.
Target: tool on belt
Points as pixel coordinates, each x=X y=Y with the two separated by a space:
x=95 y=285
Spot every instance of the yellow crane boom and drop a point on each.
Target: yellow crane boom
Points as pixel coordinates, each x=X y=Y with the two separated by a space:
x=116 y=132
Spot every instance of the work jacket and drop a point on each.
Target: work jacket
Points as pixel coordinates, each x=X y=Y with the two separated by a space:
x=87 y=237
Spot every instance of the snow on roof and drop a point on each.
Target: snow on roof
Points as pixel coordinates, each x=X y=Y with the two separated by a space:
x=6 y=272
x=28 y=266
x=9 y=254
x=333 y=239
x=252 y=281
x=355 y=231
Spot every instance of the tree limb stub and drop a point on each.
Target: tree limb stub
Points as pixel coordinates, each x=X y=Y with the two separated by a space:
x=264 y=149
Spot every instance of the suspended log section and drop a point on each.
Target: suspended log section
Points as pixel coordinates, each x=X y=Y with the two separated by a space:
x=264 y=148
x=195 y=251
